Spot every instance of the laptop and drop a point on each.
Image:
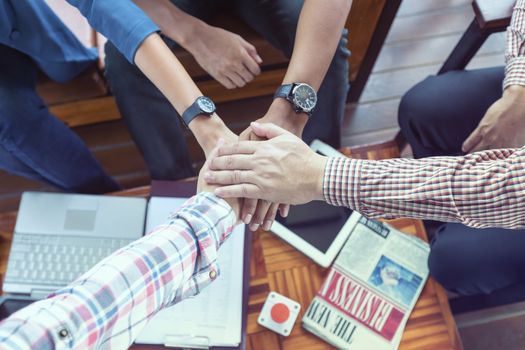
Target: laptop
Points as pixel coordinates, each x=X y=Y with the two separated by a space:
x=58 y=237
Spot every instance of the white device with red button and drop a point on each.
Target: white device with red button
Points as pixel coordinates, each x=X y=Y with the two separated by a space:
x=279 y=313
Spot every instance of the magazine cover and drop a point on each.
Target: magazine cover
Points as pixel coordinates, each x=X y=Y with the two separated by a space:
x=372 y=287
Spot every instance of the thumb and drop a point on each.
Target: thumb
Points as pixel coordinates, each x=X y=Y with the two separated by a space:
x=472 y=141
x=267 y=130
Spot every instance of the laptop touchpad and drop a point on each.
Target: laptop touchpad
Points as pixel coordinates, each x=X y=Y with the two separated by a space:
x=80 y=219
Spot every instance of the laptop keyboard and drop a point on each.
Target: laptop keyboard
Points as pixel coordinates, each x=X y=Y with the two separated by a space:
x=56 y=260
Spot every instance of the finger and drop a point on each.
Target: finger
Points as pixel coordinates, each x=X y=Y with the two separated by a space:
x=238 y=191
x=284 y=209
x=227 y=83
x=245 y=135
x=480 y=147
x=252 y=51
x=267 y=130
x=260 y=214
x=254 y=137
x=248 y=209
x=250 y=64
x=236 y=78
x=228 y=177
x=472 y=141
x=245 y=74
x=270 y=216
x=241 y=147
x=231 y=162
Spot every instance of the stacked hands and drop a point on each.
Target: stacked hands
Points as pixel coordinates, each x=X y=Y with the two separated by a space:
x=247 y=163
x=272 y=166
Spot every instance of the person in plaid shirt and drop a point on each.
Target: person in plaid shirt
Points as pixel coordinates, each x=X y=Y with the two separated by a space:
x=109 y=305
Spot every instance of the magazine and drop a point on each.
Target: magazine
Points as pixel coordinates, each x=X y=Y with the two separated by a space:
x=370 y=290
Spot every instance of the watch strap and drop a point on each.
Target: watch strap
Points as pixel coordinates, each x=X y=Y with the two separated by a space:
x=284 y=91
x=191 y=112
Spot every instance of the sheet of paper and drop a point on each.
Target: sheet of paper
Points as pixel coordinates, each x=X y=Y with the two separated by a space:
x=215 y=315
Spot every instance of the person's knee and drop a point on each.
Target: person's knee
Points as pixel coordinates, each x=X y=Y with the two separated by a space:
x=415 y=108
x=439 y=267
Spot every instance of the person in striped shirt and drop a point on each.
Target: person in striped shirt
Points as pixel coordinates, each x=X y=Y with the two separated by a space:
x=484 y=109
x=484 y=189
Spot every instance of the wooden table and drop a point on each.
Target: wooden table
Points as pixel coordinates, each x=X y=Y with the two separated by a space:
x=276 y=266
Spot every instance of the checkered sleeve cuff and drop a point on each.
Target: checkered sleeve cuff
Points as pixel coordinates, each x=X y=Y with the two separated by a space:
x=515 y=72
x=341 y=182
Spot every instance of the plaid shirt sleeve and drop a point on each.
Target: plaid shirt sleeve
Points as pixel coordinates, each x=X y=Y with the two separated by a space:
x=515 y=53
x=109 y=305
x=484 y=189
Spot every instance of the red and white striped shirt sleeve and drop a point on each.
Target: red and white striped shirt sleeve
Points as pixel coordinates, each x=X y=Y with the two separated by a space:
x=515 y=53
x=483 y=189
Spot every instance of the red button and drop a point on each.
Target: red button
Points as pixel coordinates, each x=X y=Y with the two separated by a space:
x=280 y=313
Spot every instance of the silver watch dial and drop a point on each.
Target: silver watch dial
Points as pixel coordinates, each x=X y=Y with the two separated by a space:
x=206 y=104
x=304 y=97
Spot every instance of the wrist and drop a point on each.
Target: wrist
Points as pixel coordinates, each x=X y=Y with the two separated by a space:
x=186 y=33
x=318 y=165
x=192 y=35
x=515 y=92
x=207 y=131
x=283 y=115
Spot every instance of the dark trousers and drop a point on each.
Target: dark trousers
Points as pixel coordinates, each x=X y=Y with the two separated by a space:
x=436 y=116
x=154 y=124
x=34 y=143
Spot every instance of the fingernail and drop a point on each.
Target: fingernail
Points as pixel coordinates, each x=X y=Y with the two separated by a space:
x=248 y=219
x=218 y=192
x=207 y=176
x=267 y=225
x=220 y=142
x=254 y=227
x=286 y=211
x=259 y=59
x=255 y=124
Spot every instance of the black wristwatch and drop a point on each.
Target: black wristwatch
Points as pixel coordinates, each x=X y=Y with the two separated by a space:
x=202 y=106
x=302 y=96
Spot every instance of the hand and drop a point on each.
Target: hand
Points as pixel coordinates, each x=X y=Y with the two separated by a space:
x=226 y=56
x=203 y=186
x=257 y=212
x=503 y=125
x=283 y=169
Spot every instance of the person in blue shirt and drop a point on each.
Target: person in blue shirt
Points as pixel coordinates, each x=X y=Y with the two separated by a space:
x=34 y=143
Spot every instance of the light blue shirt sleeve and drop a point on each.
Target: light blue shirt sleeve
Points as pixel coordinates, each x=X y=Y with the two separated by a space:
x=121 y=21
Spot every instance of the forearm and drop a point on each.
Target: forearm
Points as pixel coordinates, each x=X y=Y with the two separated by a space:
x=165 y=14
x=171 y=263
x=317 y=37
x=515 y=51
x=481 y=189
x=166 y=72
x=318 y=34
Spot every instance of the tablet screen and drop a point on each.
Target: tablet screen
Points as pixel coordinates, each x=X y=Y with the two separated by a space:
x=318 y=223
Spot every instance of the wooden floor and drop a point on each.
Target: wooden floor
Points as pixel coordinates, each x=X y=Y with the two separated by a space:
x=423 y=34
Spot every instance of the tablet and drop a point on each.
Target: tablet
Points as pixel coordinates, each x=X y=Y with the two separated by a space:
x=317 y=229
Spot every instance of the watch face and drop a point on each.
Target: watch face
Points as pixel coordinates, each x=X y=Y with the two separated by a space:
x=304 y=97
x=206 y=104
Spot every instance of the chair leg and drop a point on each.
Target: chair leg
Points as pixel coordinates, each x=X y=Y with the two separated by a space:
x=466 y=48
